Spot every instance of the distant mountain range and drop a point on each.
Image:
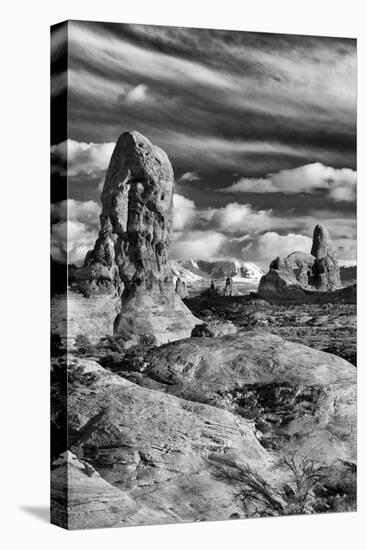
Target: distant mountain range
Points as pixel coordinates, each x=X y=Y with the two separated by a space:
x=198 y=270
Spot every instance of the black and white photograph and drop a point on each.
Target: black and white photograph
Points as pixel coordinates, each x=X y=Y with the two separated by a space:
x=203 y=262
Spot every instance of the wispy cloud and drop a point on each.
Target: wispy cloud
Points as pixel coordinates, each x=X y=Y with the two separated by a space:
x=184 y=212
x=260 y=130
x=190 y=176
x=341 y=183
x=137 y=94
x=215 y=85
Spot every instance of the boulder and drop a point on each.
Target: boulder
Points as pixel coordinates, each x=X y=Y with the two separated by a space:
x=214 y=328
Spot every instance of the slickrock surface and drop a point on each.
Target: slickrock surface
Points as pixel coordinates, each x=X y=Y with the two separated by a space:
x=158 y=450
x=330 y=326
x=199 y=406
x=132 y=250
x=90 y=501
x=73 y=314
x=293 y=277
x=289 y=388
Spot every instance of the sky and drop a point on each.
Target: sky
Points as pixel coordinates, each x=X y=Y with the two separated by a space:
x=260 y=130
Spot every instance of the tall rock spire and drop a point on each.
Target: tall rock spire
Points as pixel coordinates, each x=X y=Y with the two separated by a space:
x=134 y=239
x=322 y=243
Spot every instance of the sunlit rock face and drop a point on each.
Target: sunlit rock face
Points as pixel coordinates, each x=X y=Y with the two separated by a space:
x=327 y=270
x=131 y=255
x=137 y=212
x=181 y=288
x=300 y=272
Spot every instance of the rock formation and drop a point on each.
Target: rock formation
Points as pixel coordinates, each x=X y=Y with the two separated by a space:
x=151 y=451
x=211 y=292
x=322 y=243
x=150 y=446
x=327 y=270
x=214 y=328
x=267 y=379
x=228 y=290
x=89 y=499
x=74 y=315
x=98 y=276
x=181 y=288
x=131 y=254
x=297 y=274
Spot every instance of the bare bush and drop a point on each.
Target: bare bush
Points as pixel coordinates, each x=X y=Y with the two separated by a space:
x=261 y=498
x=83 y=346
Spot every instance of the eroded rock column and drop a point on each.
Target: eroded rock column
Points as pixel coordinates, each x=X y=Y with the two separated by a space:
x=134 y=239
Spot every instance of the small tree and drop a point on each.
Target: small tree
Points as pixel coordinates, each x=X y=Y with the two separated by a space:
x=111 y=343
x=146 y=341
x=305 y=475
x=83 y=345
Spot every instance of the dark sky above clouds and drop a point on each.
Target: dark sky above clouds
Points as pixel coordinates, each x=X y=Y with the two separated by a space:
x=260 y=129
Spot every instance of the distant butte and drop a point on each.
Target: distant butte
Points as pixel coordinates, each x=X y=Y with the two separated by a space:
x=299 y=272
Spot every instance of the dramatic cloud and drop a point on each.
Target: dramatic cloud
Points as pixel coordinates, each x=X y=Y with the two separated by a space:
x=238 y=218
x=75 y=226
x=204 y=245
x=71 y=240
x=184 y=212
x=341 y=183
x=275 y=114
x=84 y=212
x=271 y=244
x=82 y=158
x=345 y=193
x=234 y=231
x=215 y=85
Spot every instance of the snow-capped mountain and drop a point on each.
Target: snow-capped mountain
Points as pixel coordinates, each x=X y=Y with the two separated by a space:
x=240 y=271
x=193 y=271
x=188 y=271
x=247 y=270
